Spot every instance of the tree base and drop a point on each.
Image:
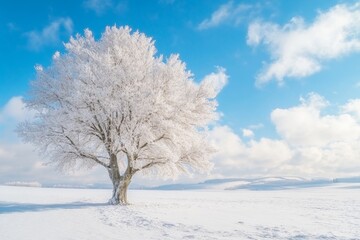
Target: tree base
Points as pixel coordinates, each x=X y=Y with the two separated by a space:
x=114 y=201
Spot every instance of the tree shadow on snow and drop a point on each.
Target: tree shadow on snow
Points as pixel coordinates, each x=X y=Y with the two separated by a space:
x=12 y=207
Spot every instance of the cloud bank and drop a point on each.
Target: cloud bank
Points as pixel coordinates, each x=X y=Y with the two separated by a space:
x=310 y=143
x=299 y=49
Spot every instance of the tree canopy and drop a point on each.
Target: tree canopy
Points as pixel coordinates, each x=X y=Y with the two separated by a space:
x=115 y=102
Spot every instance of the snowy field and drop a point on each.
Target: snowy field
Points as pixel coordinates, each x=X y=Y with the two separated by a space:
x=328 y=212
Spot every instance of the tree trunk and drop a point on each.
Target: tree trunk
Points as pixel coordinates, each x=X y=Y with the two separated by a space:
x=115 y=194
x=120 y=187
x=120 y=183
x=115 y=177
x=124 y=185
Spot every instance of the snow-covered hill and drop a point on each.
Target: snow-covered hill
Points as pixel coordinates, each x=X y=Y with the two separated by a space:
x=267 y=183
x=321 y=212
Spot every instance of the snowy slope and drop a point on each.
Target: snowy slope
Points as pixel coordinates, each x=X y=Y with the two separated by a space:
x=264 y=183
x=327 y=212
x=267 y=183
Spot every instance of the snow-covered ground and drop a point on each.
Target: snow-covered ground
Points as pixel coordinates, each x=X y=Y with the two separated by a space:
x=322 y=212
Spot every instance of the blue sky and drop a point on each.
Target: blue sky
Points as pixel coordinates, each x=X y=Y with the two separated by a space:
x=290 y=106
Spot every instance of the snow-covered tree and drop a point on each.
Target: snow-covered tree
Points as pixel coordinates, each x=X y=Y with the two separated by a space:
x=113 y=102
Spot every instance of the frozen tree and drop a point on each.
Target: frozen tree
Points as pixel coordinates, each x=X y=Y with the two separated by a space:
x=113 y=102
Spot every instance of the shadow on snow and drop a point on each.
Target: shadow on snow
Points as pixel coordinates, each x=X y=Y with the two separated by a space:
x=12 y=207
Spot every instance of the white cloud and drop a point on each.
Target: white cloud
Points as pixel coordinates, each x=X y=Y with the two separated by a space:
x=98 y=6
x=247 y=133
x=304 y=125
x=268 y=153
x=228 y=12
x=220 y=15
x=50 y=34
x=14 y=110
x=217 y=79
x=352 y=107
x=298 y=49
x=310 y=143
x=236 y=158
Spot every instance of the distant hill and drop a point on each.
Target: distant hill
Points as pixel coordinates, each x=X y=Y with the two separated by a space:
x=266 y=183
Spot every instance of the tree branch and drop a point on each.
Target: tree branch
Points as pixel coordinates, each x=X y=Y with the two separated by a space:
x=85 y=155
x=156 y=140
x=149 y=165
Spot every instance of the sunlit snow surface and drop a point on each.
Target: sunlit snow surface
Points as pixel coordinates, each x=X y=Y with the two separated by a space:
x=327 y=212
